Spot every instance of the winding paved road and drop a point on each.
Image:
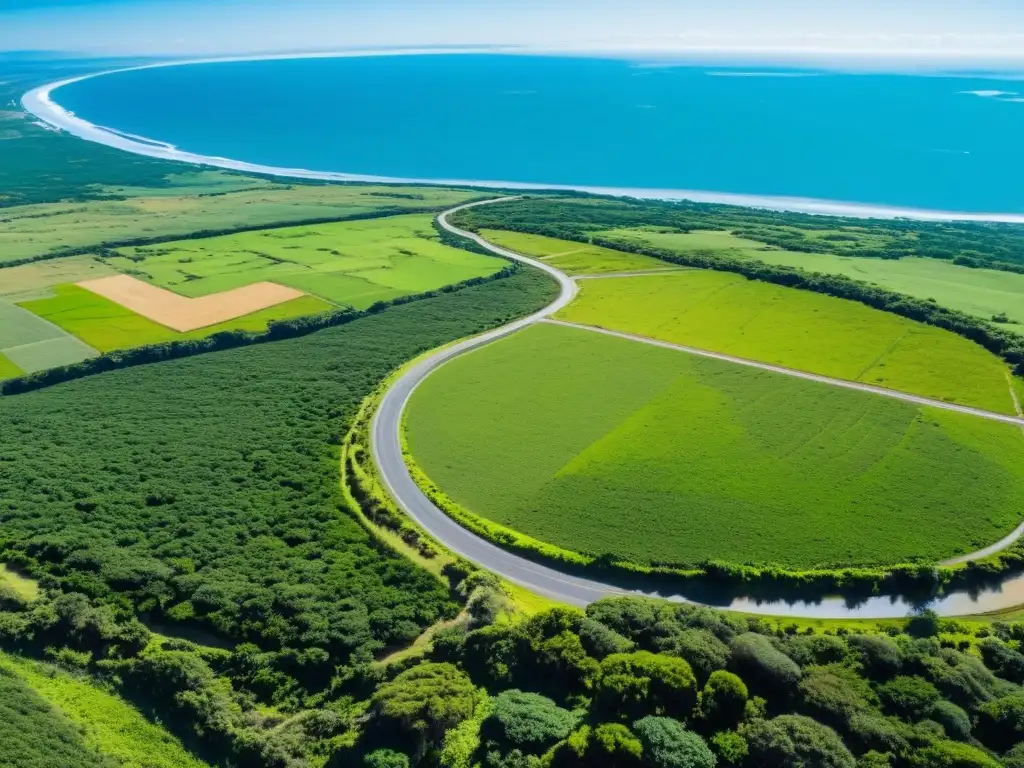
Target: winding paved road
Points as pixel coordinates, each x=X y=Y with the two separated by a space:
x=385 y=440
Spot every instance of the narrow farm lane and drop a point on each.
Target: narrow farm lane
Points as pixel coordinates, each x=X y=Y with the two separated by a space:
x=386 y=445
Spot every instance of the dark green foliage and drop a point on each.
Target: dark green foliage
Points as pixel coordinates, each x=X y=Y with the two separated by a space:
x=704 y=652
x=762 y=666
x=386 y=758
x=600 y=640
x=909 y=697
x=834 y=694
x=817 y=649
x=207 y=487
x=1000 y=723
x=954 y=721
x=1015 y=757
x=870 y=730
x=874 y=760
x=878 y=655
x=424 y=702
x=923 y=624
x=723 y=701
x=1002 y=659
x=527 y=722
x=34 y=735
x=961 y=678
x=634 y=684
x=795 y=741
x=667 y=744
x=952 y=754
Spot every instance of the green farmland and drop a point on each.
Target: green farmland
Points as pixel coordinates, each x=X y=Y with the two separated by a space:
x=107 y=326
x=196 y=202
x=353 y=263
x=30 y=343
x=724 y=312
x=571 y=257
x=604 y=445
x=985 y=293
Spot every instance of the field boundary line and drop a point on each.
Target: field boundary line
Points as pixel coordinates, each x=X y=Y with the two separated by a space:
x=47 y=341
x=658 y=271
x=855 y=385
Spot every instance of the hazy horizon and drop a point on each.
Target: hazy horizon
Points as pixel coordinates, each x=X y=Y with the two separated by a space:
x=985 y=32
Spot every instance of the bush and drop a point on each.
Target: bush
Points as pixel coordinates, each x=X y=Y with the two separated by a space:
x=601 y=641
x=424 y=702
x=386 y=758
x=870 y=730
x=1015 y=757
x=704 y=652
x=910 y=698
x=961 y=678
x=795 y=741
x=730 y=747
x=817 y=649
x=667 y=744
x=953 y=720
x=723 y=701
x=879 y=655
x=635 y=684
x=527 y=722
x=951 y=754
x=614 y=745
x=766 y=668
x=835 y=694
x=924 y=623
x=1001 y=723
x=874 y=760
x=1002 y=659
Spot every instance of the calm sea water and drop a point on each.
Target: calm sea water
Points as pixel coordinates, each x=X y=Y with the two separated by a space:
x=948 y=143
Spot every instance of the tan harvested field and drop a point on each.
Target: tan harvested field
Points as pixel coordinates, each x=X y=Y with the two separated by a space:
x=182 y=314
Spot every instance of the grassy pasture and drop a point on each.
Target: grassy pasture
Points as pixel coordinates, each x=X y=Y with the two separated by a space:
x=727 y=313
x=603 y=445
x=189 y=205
x=980 y=292
x=106 y=325
x=24 y=587
x=107 y=724
x=8 y=370
x=571 y=257
x=356 y=263
x=34 y=281
x=51 y=353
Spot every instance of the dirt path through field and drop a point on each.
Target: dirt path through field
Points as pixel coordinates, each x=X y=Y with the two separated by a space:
x=183 y=314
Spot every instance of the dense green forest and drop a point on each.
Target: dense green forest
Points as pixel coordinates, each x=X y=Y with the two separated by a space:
x=968 y=243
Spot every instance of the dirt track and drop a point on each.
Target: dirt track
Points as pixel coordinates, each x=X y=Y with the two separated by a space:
x=182 y=314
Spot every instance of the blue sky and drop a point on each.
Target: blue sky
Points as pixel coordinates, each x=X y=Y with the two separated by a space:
x=952 y=28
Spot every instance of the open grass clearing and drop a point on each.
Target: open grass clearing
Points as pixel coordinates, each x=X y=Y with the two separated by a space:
x=186 y=206
x=108 y=326
x=571 y=257
x=983 y=293
x=22 y=586
x=603 y=445
x=35 y=281
x=107 y=724
x=724 y=312
x=352 y=263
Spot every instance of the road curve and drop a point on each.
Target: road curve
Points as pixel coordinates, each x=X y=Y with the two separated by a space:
x=386 y=447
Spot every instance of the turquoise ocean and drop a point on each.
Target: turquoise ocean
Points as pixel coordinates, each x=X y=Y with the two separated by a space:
x=953 y=143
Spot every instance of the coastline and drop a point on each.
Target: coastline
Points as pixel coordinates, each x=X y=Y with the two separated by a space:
x=39 y=102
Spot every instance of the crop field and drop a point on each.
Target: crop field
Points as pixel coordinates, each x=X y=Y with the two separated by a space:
x=572 y=257
x=191 y=205
x=29 y=343
x=985 y=293
x=106 y=325
x=356 y=263
x=106 y=724
x=727 y=313
x=603 y=445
